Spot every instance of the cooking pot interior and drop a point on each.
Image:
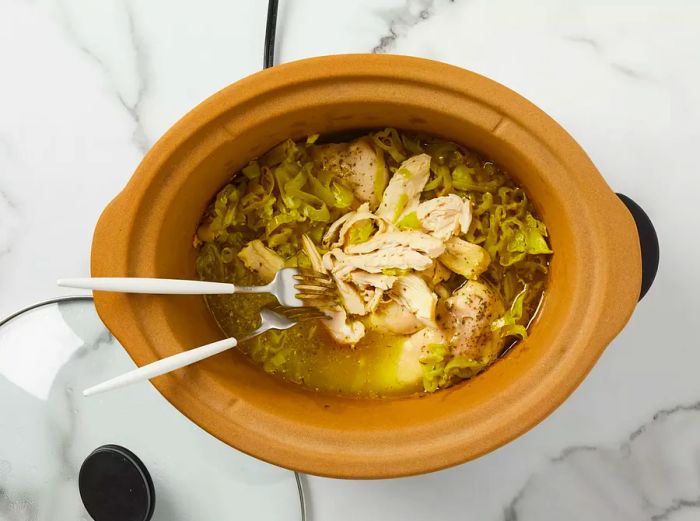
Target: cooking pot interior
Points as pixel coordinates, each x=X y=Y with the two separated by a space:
x=218 y=149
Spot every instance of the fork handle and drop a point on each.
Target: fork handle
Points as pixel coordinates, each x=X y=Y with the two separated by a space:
x=162 y=366
x=151 y=285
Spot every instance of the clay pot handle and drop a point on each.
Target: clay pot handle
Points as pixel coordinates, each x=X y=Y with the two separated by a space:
x=648 y=241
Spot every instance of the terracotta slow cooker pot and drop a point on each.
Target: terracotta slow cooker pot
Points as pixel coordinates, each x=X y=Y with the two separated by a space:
x=595 y=280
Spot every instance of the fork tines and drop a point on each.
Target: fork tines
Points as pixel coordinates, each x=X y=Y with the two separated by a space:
x=297 y=313
x=314 y=278
x=318 y=289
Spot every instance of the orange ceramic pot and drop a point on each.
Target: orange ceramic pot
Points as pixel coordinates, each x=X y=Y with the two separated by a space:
x=595 y=279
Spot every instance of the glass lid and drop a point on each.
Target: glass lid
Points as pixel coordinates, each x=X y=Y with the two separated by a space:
x=52 y=351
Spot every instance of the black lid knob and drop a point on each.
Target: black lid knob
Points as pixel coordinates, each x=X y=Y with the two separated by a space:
x=116 y=486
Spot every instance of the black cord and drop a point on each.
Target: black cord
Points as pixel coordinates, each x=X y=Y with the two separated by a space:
x=269 y=57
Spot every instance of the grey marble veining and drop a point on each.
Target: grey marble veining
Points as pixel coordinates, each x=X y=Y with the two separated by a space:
x=134 y=108
x=130 y=96
x=652 y=476
x=9 y=220
x=401 y=20
x=9 y=217
x=599 y=50
x=590 y=42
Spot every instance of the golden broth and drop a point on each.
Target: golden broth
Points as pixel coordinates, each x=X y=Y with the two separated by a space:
x=307 y=354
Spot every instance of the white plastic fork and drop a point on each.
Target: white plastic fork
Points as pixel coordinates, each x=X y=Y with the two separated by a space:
x=273 y=317
x=291 y=286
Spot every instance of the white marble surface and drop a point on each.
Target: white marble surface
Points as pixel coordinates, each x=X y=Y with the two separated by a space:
x=86 y=87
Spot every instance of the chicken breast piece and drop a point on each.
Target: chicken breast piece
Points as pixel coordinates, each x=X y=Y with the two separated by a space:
x=412 y=292
x=342 y=330
x=351 y=299
x=445 y=217
x=403 y=191
x=466 y=319
x=371 y=286
x=409 y=367
x=312 y=253
x=373 y=297
x=357 y=165
x=419 y=241
x=399 y=257
x=435 y=274
x=337 y=232
x=260 y=259
x=375 y=280
x=463 y=257
x=395 y=318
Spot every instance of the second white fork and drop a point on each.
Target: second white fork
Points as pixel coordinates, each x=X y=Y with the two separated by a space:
x=272 y=317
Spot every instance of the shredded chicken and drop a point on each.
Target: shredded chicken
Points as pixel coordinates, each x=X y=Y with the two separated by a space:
x=444 y=217
x=419 y=241
x=399 y=257
x=360 y=291
x=350 y=297
x=395 y=318
x=373 y=297
x=343 y=330
x=405 y=186
x=375 y=280
x=337 y=232
x=313 y=254
x=412 y=292
x=394 y=274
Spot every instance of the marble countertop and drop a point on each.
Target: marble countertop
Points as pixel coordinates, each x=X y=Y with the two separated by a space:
x=86 y=87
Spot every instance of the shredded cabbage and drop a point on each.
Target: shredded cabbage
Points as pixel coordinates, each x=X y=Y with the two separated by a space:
x=390 y=142
x=509 y=324
x=440 y=369
x=433 y=365
x=278 y=198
